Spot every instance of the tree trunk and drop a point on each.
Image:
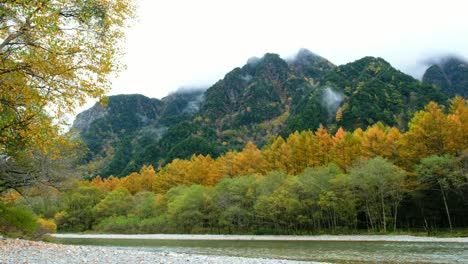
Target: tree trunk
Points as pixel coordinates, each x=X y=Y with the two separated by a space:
x=395 y=216
x=334 y=220
x=370 y=217
x=383 y=212
x=446 y=208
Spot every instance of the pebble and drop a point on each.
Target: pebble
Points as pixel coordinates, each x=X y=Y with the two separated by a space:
x=369 y=238
x=14 y=251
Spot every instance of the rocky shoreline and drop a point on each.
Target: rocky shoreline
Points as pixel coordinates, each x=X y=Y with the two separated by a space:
x=13 y=251
x=357 y=238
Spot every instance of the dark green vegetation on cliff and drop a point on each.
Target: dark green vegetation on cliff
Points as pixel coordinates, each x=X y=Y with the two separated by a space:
x=133 y=130
x=450 y=74
x=266 y=97
x=362 y=93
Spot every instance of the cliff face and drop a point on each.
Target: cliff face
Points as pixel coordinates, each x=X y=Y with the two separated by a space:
x=126 y=112
x=84 y=119
x=114 y=133
x=311 y=65
x=450 y=75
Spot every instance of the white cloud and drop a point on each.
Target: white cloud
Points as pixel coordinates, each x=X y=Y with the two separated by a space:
x=194 y=43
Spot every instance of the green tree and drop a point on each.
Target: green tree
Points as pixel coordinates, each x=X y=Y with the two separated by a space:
x=235 y=198
x=145 y=204
x=313 y=184
x=187 y=210
x=119 y=202
x=79 y=213
x=440 y=172
x=279 y=209
x=380 y=184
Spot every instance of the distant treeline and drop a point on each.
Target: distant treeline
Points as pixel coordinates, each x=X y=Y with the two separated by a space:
x=379 y=179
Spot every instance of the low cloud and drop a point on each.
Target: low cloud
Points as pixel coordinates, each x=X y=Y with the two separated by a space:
x=189 y=90
x=441 y=59
x=331 y=100
x=252 y=61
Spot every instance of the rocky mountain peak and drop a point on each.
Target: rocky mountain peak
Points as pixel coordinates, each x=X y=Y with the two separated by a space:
x=450 y=74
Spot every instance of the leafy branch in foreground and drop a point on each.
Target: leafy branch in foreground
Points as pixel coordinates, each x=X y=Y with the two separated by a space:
x=53 y=55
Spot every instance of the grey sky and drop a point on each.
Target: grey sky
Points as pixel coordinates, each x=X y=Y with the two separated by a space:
x=178 y=43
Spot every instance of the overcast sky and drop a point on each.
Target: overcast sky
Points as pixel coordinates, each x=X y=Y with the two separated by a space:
x=190 y=43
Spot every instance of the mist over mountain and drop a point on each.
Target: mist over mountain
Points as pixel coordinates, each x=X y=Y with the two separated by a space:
x=450 y=74
x=265 y=97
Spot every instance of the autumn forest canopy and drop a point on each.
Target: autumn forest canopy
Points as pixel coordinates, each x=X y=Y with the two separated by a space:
x=377 y=179
x=277 y=146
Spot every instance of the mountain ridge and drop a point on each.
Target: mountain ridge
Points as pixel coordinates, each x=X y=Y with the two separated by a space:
x=265 y=97
x=450 y=74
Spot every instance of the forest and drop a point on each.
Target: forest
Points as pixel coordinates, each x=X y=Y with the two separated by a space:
x=377 y=180
x=260 y=151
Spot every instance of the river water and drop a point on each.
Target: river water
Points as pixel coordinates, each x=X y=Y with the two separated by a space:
x=322 y=251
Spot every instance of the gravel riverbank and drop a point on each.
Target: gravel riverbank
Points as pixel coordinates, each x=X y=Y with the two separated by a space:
x=14 y=251
x=369 y=238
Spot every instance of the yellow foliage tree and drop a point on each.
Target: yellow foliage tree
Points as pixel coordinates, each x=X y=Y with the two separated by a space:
x=322 y=146
x=54 y=55
x=249 y=161
x=374 y=141
x=132 y=182
x=278 y=155
x=148 y=177
x=173 y=174
x=392 y=142
x=457 y=134
x=225 y=164
x=112 y=183
x=200 y=170
x=430 y=133
x=346 y=149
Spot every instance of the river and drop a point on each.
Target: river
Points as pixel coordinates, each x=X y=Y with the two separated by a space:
x=333 y=249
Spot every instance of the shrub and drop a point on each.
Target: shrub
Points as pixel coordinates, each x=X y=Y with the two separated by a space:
x=46 y=226
x=154 y=225
x=17 y=221
x=118 y=224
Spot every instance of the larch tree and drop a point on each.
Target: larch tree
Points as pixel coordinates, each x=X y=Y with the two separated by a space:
x=322 y=146
x=457 y=139
x=249 y=161
x=278 y=155
x=427 y=134
x=346 y=149
x=374 y=141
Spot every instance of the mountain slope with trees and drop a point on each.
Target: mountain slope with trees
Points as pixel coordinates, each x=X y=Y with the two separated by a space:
x=133 y=130
x=266 y=97
x=450 y=74
x=362 y=93
x=376 y=180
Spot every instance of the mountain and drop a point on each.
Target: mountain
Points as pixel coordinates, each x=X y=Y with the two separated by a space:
x=265 y=97
x=129 y=131
x=252 y=102
x=450 y=74
x=362 y=93
x=306 y=63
